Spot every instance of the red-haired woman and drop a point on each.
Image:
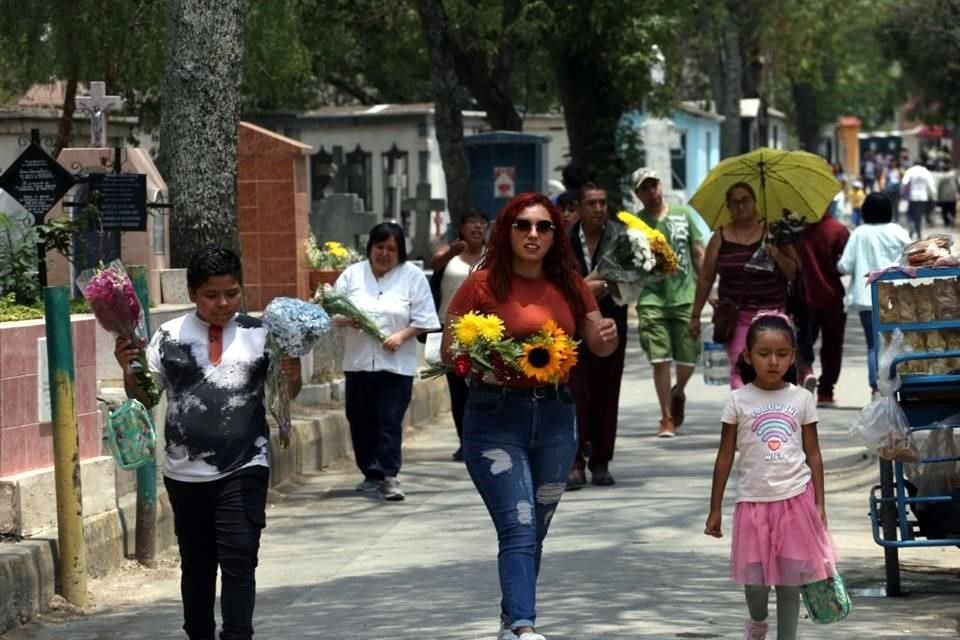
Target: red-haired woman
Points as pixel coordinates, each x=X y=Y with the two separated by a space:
x=519 y=439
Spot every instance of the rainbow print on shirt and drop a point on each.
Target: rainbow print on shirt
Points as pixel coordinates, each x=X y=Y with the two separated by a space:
x=775 y=424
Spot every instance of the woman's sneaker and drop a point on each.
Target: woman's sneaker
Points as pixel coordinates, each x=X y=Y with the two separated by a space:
x=531 y=635
x=390 y=490
x=506 y=633
x=369 y=485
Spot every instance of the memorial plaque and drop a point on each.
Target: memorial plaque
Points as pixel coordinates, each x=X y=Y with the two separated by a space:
x=36 y=181
x=121 y=199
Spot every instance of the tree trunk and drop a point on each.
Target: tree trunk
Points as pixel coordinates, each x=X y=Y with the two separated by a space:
x=65 y=131
x=448 y=114
x=199 y=122
x=732 y=74
x=489 y=78
x=808 y=121
x=724 y=65
x=592 y=109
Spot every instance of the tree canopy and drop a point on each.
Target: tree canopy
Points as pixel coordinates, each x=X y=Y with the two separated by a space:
x=922 y=38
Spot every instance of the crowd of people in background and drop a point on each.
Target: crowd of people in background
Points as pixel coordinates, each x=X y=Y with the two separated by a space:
x=917 y=188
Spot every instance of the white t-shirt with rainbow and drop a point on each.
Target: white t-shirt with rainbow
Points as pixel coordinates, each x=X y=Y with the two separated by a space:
x=771 y=463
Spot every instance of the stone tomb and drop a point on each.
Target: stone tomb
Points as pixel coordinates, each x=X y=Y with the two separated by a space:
x=273 y=215
x=340 y=217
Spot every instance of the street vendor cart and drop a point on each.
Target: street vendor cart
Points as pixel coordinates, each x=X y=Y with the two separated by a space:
x=917 y=503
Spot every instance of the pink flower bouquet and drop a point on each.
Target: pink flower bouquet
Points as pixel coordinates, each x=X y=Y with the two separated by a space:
x=113 y=300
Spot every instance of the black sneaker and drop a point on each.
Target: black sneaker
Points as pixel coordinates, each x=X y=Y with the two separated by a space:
x=602 y=478
x=576 y=480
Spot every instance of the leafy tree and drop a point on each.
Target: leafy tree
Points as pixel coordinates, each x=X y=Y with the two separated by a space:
x=825 y=61
x=602 y=54
x=922 y=38
x=79 y=41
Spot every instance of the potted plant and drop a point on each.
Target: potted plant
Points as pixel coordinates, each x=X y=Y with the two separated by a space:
x=327 y=260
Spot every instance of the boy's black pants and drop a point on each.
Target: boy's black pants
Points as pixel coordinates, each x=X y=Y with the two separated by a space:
x=218 y=524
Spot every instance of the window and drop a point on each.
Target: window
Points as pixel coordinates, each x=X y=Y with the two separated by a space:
x=360 y=176
x=678 y=165
x=322 y=170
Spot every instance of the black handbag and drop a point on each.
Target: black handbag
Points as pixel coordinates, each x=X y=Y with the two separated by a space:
x=725 y=316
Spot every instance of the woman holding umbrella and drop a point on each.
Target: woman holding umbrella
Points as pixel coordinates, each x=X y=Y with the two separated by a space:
x=746 y=290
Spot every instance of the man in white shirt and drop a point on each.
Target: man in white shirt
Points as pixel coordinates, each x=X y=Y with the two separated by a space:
x=920 y=190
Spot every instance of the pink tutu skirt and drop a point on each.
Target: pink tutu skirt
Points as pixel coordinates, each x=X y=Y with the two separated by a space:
x=781 y=543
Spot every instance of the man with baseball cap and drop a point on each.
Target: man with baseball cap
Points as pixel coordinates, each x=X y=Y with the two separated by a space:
x=664 y=306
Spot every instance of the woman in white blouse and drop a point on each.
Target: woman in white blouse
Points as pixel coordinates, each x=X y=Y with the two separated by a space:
x=379 y=376
x=874 y=245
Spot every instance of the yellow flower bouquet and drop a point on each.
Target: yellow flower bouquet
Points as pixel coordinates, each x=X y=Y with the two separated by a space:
x=481 y=348
x=331 y=255
x=665 y=257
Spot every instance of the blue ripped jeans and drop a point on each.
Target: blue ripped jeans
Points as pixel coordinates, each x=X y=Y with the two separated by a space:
x=518 y=449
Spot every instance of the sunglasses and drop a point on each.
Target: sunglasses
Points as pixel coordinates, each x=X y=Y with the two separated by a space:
x=523 y=225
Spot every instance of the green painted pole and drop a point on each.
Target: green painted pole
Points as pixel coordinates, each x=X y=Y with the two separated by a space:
x=146 y=539
x=72 y=568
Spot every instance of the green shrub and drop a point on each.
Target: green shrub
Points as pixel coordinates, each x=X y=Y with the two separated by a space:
x=10 y=309
x=18 y=260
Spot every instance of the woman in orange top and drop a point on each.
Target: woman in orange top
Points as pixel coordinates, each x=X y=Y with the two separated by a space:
x=519 y=439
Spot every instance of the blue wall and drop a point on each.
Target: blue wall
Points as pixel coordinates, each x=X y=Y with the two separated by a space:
x=702 y=139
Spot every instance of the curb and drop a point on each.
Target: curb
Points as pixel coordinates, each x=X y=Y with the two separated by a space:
x=321 y=436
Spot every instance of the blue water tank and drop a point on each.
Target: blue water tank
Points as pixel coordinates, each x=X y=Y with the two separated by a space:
x=503 y=164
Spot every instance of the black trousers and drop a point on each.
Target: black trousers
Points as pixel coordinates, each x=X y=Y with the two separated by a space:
x=218 y=525
x=595 y=383
x=375 y=403
x=458 y=400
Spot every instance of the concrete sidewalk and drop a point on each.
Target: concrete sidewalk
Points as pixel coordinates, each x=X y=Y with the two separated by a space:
x=621 y=563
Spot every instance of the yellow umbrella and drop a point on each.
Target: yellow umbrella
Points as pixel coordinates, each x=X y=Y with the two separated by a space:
x=794 y=180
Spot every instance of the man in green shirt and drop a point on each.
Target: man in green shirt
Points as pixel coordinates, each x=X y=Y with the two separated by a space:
x=664 y=306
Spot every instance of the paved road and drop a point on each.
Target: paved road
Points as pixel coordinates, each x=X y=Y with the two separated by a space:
x=621 y=563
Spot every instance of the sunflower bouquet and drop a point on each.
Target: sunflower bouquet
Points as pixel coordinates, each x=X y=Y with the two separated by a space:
x=482 y=349
x=665 y=258
x=634 y=258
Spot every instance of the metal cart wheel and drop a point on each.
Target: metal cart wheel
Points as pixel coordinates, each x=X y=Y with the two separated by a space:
x=888 y=524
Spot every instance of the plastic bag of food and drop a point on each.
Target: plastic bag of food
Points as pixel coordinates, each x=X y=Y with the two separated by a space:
x=882 y=424
x=926 y=252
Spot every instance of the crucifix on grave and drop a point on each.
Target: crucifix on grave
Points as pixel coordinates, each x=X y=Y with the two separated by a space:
x=422 y=206
x=97 y=104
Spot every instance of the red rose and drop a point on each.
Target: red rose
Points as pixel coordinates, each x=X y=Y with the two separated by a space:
x=462 y=365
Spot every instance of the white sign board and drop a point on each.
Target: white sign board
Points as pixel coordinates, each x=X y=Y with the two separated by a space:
x=504 y=182
x=43 y=382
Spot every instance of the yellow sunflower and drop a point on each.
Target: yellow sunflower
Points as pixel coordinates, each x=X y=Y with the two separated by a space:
x=567 y=352
x=467 y=329
x=552 y=331
x=540 y=360
x=490 y=328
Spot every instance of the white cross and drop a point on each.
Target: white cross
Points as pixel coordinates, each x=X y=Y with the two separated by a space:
x=97 y=104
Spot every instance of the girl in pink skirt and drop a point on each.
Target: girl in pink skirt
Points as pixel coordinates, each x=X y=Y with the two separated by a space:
x=780 y=534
